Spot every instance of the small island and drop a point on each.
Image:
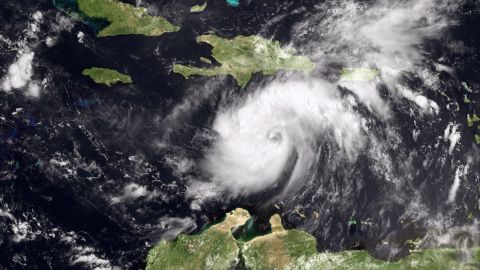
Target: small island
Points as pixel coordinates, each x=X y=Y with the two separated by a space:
x=471 y=119
x=198 y=8
x=124 y=19
x=217 y=248
x=471 y=98
x=233 y=3
x=106 y=76
x=243 y=56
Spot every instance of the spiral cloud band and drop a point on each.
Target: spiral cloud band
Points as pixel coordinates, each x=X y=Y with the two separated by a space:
x=275 y=136
x=257 y=138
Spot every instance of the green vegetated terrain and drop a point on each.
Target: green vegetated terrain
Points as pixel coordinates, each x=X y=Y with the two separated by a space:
x=216 y=248
x=358 y=74
x=198 y=8
x=242 y=56
x=124 y=19
x=432 y=259
x=106 y=76
x=471 y=98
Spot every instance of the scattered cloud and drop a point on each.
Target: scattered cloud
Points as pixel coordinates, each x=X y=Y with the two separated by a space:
x=81 y=254
x=452 y=135
x=80 y=37
x=367 y=93
x=426 y=105
x=173 y=226
x=87 y=256
x=20 y=74
x=386 y=35
x=459 y=173
x=132 y=191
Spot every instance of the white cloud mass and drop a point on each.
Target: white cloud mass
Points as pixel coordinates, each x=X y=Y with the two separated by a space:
x=287 y=121
x=19 y=73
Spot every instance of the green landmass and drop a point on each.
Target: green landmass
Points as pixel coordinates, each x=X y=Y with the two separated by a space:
x=358 y=74
x=243 y=56
x=124 y=19
x=198 y=8
x=278 y=249
x=471 y=99
x=471 y=119
x=432 y=259
x=216 y=248
x=106 y=76
x=466 y=100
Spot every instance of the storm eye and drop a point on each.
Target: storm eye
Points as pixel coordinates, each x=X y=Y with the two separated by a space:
x=274 y=136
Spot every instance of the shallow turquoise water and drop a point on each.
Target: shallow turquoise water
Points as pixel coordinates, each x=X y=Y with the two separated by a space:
x=233 y=3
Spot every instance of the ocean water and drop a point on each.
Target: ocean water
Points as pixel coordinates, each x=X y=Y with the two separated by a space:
x=233 y=3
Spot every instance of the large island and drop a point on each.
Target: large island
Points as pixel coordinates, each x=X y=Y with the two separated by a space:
x=242 y=56
x=106 y=76
x=124 y=19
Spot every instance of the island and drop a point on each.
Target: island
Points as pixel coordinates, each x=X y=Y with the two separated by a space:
x=217 y=248
x=198 y=8
x=106 y=76
x=470 y=98
x=124 y=19
x=358 y=74
x=471 y=119
x=233 y=3
x=243 y=56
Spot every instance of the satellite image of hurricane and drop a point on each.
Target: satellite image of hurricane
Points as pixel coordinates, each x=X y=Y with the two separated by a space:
x=240 y=134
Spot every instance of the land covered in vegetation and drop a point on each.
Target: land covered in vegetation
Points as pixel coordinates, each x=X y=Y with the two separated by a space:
x=106 y=76
x=217 y=248
x=243 y=56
